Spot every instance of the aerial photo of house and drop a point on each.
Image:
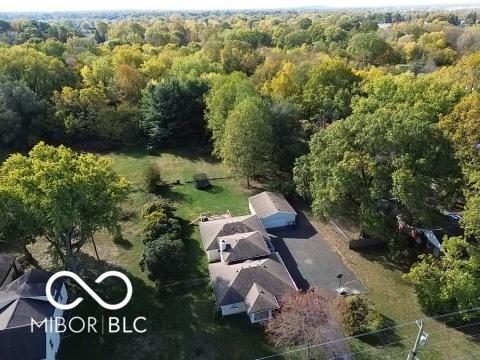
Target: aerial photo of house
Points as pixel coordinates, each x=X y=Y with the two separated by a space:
x=240 y=180
x=246 y=272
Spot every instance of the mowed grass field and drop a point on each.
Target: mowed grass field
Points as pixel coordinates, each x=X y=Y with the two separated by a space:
x=182 y=320
x=395 y=299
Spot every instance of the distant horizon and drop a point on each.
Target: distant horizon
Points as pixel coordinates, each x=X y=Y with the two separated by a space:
x=53 y=6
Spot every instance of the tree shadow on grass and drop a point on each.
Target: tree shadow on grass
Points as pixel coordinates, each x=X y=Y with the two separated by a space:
x=105 y=344
x=400 y=259
x=214 y=189
x=191 y=153
x=168 y=192
x=123 y=243
x=386 y=334
x=182 y=323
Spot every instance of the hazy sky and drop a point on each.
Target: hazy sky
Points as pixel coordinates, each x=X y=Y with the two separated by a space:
x=56 y=5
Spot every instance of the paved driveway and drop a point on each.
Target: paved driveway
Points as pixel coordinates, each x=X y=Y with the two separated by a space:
x=310 y=259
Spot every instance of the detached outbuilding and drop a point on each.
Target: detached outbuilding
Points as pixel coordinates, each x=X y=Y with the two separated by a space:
x=272 y=209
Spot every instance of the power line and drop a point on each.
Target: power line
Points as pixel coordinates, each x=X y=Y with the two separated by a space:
x=368 y=350
x=337 y=340
x=435 y=317
x=474 y=336
x=399 y=341
x=402 y=340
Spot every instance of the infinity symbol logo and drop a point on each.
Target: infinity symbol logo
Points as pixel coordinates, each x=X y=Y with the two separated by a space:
x=87 y=288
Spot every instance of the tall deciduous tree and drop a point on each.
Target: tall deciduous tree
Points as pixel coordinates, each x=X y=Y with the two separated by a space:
x=369 y=48
x=248 y=140
x=304 y=319
x=365 y=158
x=451 y=283
x=328 y=91
x=462 y=125
x=42 y=73
x=62 y=196
x=225 y=93
x=22 y=115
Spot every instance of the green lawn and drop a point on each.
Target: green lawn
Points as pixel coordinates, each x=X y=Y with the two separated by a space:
x=396 y=301
x=183 y=322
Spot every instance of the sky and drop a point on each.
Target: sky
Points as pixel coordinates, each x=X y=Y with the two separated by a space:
x=69 y=5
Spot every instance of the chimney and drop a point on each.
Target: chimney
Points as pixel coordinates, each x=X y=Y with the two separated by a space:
x=223 y=245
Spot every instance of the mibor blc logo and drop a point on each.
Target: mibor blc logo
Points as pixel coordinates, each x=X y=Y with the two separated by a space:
x=89 y=290
x=90 y=324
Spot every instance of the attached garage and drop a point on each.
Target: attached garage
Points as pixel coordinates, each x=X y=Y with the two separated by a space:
x=272 y=209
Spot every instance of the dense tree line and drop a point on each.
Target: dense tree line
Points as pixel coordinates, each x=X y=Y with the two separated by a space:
x=366 y=115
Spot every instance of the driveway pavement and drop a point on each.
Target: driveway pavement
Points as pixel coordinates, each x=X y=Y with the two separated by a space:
x=310 y=259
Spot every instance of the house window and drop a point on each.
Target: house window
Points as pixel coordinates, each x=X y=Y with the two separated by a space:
x=261 y=315
x=51 y=343
x=233 y=306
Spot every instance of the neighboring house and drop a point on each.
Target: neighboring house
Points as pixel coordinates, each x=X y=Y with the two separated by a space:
x=9 y=270
x=211 y=231
x=20 y=302
x=272 y=209
x=248 y=276
x=434 y=235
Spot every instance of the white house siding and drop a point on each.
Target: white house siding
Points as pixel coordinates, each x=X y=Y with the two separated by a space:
x=278 y=220
x=213 y=255
x=53 y=339
x=231 y=309
x=253 y=320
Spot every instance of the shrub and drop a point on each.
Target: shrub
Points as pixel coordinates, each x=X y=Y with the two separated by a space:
x=158 y=224
x=158 y=221
x=152 y=178
x=163 y=260
x=157 y=204
x=357 y=314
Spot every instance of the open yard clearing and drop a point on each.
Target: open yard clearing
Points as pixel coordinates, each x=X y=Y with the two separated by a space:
x=182 y=319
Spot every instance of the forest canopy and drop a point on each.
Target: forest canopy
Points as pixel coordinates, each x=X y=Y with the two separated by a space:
x=367 y=115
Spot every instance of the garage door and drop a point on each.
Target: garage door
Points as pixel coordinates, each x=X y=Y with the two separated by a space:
x=277 y=221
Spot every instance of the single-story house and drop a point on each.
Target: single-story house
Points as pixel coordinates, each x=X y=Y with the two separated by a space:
x=21 y=302
x=272 y=209
x=252 y=286
x=211 y=231
x=9 y=270
x=247 y=275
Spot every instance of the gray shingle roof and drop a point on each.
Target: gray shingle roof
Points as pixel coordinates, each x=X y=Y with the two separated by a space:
x=25 y=299
x=268 y=203
x=232 y=282
x=7 y=269
x=243 y=246
x=20 y=343
x=259 y=299
x=22 y=300
x=210 y=231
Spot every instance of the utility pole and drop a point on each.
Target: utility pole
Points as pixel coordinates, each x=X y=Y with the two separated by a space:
x=421 y=340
